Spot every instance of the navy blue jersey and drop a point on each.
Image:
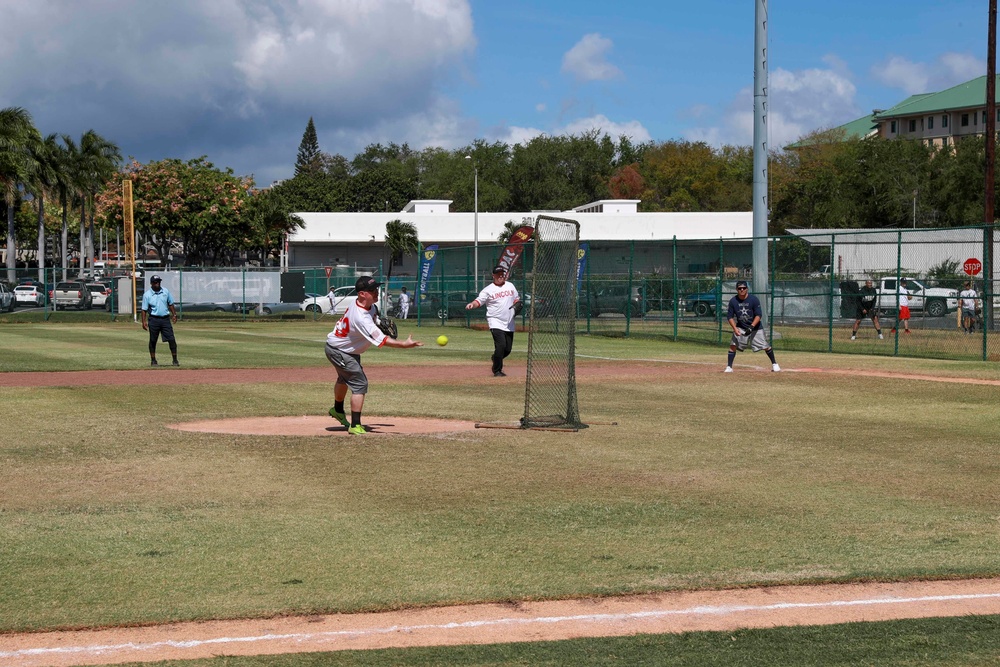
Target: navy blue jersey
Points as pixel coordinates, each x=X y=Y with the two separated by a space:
x=744 y=311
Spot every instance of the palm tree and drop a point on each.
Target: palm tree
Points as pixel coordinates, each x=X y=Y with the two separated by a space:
x=96 y=161
x=17 y=132
x=270 y=218
x=45 y=154
x=400 y=239
x=509 y=228
x=66 y=188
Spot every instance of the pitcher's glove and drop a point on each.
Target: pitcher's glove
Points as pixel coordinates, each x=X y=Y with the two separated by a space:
x=385 y=324
x=518 y=307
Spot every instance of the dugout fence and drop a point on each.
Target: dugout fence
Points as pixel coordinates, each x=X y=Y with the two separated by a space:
x=673 y=289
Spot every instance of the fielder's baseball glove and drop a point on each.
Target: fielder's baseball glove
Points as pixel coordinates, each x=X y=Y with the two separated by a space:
x=385 y=324
x=518 y=307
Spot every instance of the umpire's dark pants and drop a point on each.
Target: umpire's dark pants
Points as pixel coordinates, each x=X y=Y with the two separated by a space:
x=503 y=341
x=161 y=327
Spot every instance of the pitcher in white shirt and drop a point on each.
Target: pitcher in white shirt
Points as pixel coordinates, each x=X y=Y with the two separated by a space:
x=356 y=332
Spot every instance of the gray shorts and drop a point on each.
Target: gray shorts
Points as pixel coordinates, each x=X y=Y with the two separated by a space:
x=349 y=370
x=758 y=343
x=969 y=312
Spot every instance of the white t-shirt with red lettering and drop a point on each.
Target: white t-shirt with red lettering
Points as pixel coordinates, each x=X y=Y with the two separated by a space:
x=356 y=331
x=499 y=301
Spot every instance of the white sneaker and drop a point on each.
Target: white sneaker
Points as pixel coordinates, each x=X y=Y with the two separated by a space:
x=729 y=369
x=775 y=367
x=854 y=337
x=880 y=336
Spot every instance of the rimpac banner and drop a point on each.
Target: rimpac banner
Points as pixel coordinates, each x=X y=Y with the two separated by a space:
x=515 y=247
x=426 y=267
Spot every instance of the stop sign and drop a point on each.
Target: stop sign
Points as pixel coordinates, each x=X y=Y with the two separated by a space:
x=972 y=266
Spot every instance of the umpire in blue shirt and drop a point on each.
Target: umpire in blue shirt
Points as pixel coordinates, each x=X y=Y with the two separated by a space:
x=157 y=313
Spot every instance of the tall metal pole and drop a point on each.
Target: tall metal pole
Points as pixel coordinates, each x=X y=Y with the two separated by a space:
x=475 y=231
x=760 y=177
x=991 y=116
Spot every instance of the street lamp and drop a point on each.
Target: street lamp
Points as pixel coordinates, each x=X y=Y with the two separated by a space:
x=475 y=226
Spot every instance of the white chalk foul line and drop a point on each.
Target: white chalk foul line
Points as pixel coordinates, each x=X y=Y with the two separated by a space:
x=639 y=615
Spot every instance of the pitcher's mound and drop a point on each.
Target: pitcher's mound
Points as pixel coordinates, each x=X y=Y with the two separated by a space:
x=312 y=425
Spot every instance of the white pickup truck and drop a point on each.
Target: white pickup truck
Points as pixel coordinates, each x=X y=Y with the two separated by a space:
x=934 y=301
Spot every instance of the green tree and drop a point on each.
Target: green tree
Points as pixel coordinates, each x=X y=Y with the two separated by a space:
x=17 y=134
x=400 y=239
x=308 y=160
x=189 y=204
x=46 y=155
x=508 y=230
x=269 y=219
x=92 y=163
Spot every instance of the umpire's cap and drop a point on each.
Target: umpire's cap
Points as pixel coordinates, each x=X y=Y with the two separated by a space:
x=155 y=279
x=366 y=284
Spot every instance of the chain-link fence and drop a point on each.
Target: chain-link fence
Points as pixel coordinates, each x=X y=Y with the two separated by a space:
x=678 y=290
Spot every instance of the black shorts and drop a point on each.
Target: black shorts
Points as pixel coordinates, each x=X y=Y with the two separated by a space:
x=160 y=326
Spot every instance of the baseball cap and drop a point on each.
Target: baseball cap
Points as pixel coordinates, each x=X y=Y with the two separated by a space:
x=499 y=269
x=366 y=284
x=741 y=283
x=154 y=279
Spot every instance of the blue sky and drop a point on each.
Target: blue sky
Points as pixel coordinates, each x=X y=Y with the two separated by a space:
x=237 y=80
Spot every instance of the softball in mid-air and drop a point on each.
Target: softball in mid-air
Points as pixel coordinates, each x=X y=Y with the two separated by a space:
x=442 y=340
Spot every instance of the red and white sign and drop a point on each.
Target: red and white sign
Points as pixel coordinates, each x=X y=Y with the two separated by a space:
x=972 y=266
x=329 y=271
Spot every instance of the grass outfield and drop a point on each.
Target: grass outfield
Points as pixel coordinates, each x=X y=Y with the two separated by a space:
x=109 y=518
x=940 y=642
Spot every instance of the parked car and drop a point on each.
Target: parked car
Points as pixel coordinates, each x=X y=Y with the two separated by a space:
x=452 y=304
x=342 y=299
x=71 y=294
x=206 y=306
x=99 y=293
x=274 y=308
x=703 y=304
x=29 y=295
x=7 y=300
x=615 y=298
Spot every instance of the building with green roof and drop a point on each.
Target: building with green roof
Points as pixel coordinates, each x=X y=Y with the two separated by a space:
x=937 y=119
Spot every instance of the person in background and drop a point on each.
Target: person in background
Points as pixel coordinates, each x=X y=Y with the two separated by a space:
x=867 y=307
x=969 y=302
x=903 y=317
x=158 y=314
x=404 y=303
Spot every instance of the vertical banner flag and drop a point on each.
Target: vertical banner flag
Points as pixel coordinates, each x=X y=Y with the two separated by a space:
x=515 y=247
x=581 y=264
x=426 y=267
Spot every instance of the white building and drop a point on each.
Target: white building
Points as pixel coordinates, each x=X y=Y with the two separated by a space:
x=356 y=239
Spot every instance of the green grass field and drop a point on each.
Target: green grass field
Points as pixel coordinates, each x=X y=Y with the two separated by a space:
x=107 y=517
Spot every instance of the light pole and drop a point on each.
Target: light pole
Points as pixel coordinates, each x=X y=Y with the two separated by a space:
x=475 y=225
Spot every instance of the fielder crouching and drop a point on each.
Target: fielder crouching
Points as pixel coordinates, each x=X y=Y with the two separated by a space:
x=356 y=332
x=744 y=317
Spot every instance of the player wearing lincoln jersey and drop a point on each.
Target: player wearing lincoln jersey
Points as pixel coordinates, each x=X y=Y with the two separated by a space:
x=356 y=332
x=499 y=298
x=744 y=315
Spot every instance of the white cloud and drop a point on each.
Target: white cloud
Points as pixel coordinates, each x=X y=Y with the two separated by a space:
x=799 y=102
x=947 y=70
x=632 y=129
x=187 y=77
x=522 y=135
x=587 y=61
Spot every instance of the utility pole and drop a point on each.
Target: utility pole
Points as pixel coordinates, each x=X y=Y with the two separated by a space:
x=991 y=117
x=760 y=177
